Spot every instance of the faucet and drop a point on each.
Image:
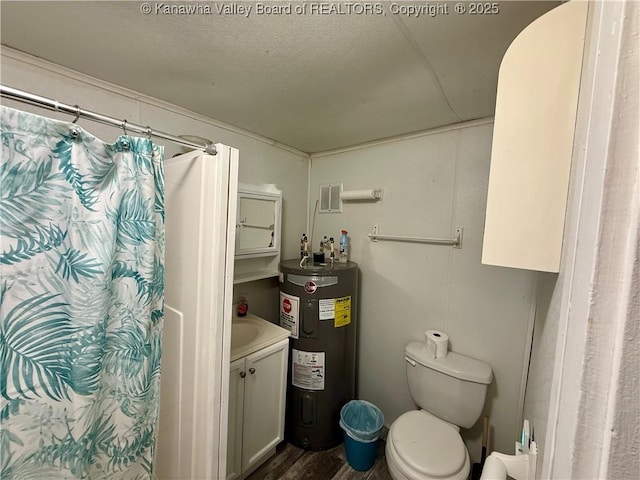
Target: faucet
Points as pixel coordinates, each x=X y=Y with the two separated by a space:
x=304 y=249
x=324 y=243
x=304 y=246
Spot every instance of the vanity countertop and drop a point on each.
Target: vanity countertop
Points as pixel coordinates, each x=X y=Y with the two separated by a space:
x=252 y=333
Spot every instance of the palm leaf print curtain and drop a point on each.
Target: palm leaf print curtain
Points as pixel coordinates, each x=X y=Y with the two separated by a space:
x=81 y=301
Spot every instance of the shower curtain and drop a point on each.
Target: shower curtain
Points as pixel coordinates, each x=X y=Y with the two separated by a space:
x=81 y=301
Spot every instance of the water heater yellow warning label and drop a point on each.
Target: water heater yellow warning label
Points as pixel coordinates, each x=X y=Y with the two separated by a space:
x=342 y=311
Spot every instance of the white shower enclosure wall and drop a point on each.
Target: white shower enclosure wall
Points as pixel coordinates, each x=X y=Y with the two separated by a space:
x=201 y=198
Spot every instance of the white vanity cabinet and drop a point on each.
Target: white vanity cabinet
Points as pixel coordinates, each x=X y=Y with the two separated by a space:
x=257 y=389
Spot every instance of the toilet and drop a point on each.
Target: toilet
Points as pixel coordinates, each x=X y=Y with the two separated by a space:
x=426 y=444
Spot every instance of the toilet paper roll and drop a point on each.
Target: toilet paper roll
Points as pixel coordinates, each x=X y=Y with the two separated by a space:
x=361 y=195
x=437 y=343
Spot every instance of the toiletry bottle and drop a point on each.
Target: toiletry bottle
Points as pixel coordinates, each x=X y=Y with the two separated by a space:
x=243 y=306
x=344 y=247
x=305 y=247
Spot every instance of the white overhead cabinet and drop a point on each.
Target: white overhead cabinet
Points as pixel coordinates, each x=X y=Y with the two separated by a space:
x=533 y=140
x=257 y=386
x=257 y=232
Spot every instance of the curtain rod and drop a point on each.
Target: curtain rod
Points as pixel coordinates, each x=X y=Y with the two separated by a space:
x=39 y=101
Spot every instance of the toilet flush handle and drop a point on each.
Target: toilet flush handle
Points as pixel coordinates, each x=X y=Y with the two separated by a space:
x=410 y=361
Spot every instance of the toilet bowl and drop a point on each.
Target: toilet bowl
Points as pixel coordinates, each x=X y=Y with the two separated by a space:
x=421 y=446
x=426 y=444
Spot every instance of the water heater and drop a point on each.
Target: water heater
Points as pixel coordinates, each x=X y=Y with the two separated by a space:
x=318 y=305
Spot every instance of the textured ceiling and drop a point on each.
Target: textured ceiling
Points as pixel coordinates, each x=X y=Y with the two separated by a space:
x=315 y=82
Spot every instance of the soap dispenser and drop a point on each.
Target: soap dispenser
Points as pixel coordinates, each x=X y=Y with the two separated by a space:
x=243 y=306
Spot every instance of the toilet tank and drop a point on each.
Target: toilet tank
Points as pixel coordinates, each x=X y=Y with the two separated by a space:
x=452 y=388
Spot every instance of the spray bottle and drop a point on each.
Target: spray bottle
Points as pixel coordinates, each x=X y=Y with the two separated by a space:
x=344 y=247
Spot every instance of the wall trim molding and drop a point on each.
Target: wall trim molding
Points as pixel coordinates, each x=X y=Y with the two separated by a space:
x=137 y=96
x=406 y=136
x=156 y=102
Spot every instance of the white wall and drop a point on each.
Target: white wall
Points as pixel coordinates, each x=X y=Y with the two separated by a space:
x=261 y=161
x=432 y=183
x=545 y=336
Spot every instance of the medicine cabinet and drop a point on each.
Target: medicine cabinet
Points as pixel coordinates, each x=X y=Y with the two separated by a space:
x=257 y=232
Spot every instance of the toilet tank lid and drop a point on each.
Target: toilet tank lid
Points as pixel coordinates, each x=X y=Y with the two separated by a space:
x=453 y=364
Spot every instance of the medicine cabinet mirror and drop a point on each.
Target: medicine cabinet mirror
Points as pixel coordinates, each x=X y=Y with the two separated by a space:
x=257 y=231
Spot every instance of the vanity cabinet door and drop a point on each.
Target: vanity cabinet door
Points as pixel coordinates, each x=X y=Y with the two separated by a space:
x=264 y=401
x=234 y=435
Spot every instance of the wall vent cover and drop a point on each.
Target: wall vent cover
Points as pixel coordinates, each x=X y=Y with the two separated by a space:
x=330 y=201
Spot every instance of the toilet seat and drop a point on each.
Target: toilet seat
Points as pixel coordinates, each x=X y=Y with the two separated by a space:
x=421 y=446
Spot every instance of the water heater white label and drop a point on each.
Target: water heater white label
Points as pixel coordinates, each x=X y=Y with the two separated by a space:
x=290 y=313
x=326 y=309
x=307 y=369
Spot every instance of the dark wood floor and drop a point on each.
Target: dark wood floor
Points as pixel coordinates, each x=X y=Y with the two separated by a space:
x=293 y=463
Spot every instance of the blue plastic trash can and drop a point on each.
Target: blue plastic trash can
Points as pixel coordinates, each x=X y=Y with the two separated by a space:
x=361 y=454
x=362 y=423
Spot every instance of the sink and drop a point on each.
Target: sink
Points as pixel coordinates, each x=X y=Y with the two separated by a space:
x=243 y=333
x=252 y=333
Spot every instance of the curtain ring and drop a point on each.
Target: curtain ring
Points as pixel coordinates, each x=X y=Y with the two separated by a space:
x=77 y=114
x=149 y=132
x=124 y=126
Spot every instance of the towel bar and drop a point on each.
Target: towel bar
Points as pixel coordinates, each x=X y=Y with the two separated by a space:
x=455 y=242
